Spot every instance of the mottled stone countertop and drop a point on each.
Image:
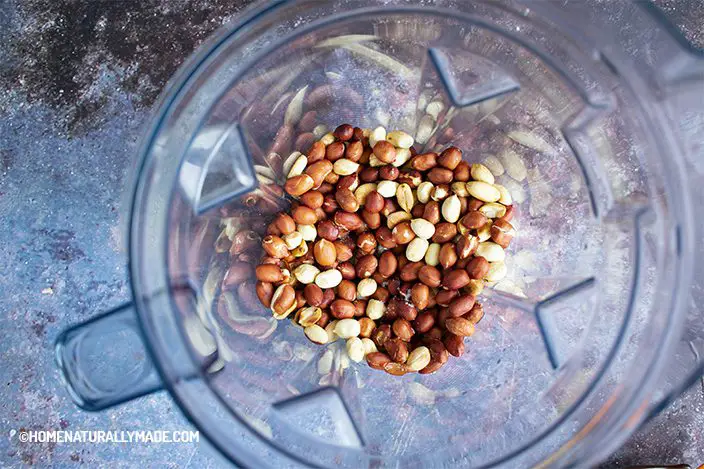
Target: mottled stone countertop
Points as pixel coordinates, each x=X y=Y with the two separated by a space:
x=77 y=79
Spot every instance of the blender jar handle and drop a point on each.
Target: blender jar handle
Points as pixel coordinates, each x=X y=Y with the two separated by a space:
x=104 y=362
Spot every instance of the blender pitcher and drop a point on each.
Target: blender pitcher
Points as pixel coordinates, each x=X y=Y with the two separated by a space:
x=587 y=113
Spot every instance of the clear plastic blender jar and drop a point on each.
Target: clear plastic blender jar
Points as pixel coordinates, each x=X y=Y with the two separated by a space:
x=588 y=114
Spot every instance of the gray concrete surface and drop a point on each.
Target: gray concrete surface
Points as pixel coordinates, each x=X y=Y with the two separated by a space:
x=77 y=79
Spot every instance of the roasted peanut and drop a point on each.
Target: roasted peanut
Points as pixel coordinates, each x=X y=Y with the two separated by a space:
x=265 y=292
x=397 y=350
x=344 y=251
x=378 y=360
x=460 y=326
x=269 y=273
x=475 y=314
x=342 y=309
x=346 y=200
x=324 y=252
x=423 y=322
x=431 y=212
x=366 y=326
x=347 y=290
x=366 y=266
x=461 y=305
x=344 y=132
x=454 y=344
x=275 y=247
x=430 y=276
x=444 y=232
x=455 y=279
x=283 y=302
x=403 y=329
x=439 y=175
x=313 y=294
x=385 y=151
x=403 y=233
x=348 y=221
x=424 y=162
x=502 y=232
x=420 y=295
x=318 y=171
x=477 y=268
x=450 y=158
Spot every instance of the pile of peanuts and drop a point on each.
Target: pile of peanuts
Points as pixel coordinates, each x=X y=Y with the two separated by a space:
x=385 y=248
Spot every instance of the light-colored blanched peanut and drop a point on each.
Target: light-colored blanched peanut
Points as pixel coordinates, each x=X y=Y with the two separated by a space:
x=363 y=191
x=480 y=172
x=505 y=195
x=265 y=175
x=308 y=232
x=451 y=209
x=293 y=240
x=484 y=233
x=422 y=228
x=301 y=250
x=294 y=111
x=294 y=166
x=399 y=139
x=316 y=334
x=459 y=189
x=319 y=130
x=330 y=331
x=531 y=140
x=325 y=362
x=369 y=346
x=375 y=309
x=483 y=191
x=347 y=328
x=492 y=252
x=439 y=193
x=497 y=271
x=404 y=197
x=494 y=165
x=516 y=190
x=425 y=129
x=345 y=167
x=418 y=359
x=432 y=255
x=387 y=189
x=355 y=349
x=475 y=287
x=513 y=164
x=397 y=217
x=423 y=191
x=416 y=249
x=306 y=273
x=434 y=109
x=493 y=210
x=328 y=279
x=308 y=316
x=375 y=162
x=327 y=139
x=366 y=287
x=402 y=157
x=377 y=135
